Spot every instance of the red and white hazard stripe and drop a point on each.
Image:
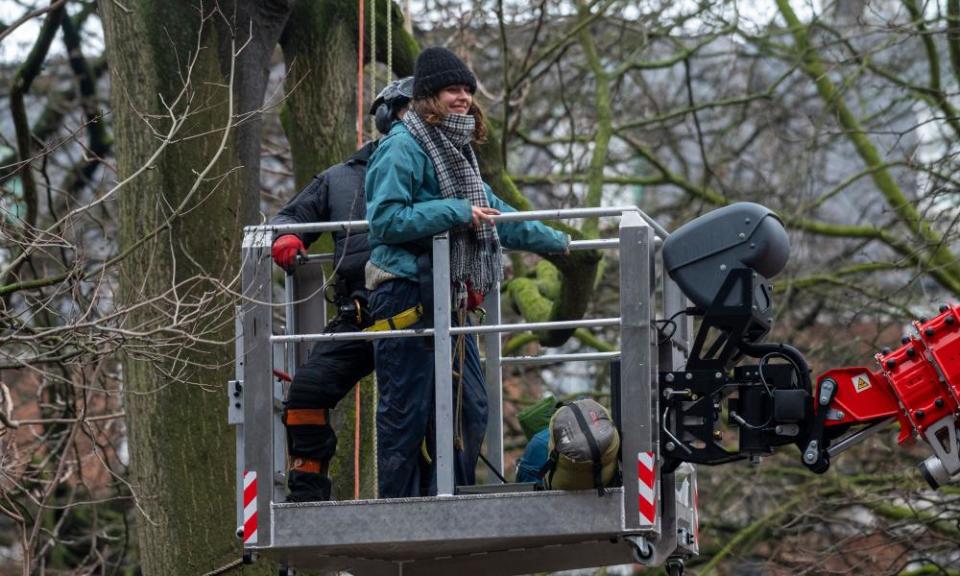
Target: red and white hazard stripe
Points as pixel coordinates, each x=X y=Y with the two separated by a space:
x=647 y=500
x=250 y=507
x=696 y=515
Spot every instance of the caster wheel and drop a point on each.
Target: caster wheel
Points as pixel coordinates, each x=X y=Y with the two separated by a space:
x=642 y=550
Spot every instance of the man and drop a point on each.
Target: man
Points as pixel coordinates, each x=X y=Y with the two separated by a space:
x=337 y=194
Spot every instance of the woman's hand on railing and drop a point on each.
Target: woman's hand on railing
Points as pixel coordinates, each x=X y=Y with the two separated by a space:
x=482 y=215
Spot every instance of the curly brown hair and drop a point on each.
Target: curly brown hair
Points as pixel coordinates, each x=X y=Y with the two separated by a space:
x=431 y=111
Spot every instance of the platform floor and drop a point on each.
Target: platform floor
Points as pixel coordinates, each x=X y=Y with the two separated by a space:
x=489 y=534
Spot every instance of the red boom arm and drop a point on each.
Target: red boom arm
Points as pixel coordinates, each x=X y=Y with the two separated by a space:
x=918 y=384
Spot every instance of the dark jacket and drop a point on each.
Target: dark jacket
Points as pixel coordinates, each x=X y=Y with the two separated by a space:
x=336 y=195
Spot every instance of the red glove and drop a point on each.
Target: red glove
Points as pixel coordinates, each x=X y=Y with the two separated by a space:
x=285 y=250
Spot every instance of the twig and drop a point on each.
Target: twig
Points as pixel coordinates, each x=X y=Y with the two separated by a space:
x=45 y=421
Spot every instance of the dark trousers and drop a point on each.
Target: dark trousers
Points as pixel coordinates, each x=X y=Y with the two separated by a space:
x=330 y=372
x=405 y=413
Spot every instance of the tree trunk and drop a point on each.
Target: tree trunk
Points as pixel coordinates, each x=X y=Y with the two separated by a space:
x=181 y=220
x=320 y=50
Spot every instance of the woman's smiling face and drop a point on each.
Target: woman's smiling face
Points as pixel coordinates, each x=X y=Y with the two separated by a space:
x=455 y=99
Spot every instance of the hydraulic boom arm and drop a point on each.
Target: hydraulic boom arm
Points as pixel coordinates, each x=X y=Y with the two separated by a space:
x=722 y=261
x=918 y=384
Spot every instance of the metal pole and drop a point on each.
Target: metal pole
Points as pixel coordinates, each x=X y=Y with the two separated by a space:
x=235 y=409
x=638 y=363
x=310 y=312
x=555 y=358
x=340 y=336
x=561 y=214
x=293 y=358
x=564 y=213
x=290 y=323
x=581 y=213
x=443 y=381
x=524 y=326
x=600 y=244
x=258 y=383
x=322 y=257
x=671 y=357
x=493 y=328
x=494 y=378
x=605 y=243
x=574 y=246
x=279 y=458
x=344 y=226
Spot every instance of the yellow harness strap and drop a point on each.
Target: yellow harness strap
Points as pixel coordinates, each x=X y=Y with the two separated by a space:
x=400 y=321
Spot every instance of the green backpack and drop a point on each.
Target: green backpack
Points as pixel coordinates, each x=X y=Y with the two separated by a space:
x=584 y=444
x=536 y=417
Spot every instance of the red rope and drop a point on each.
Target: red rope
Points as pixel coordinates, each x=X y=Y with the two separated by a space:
x=360 y=35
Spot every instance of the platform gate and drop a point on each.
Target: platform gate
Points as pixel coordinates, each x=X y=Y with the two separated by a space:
x=651 y=518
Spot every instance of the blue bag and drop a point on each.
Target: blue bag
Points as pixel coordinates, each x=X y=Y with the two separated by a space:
x=534 y=458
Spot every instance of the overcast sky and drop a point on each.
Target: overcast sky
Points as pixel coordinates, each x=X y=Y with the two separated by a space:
x=15 y=46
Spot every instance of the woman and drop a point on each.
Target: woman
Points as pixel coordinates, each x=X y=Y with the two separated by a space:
x=423 y=180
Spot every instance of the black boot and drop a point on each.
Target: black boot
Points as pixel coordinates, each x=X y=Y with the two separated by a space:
x=307 y=487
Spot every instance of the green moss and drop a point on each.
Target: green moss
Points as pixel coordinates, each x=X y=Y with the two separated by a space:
x=526 y=296
x=549 y=281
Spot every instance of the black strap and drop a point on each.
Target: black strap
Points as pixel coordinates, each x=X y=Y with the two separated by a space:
x=424 y=258
x=549 y=467
x=425 y=279
x=344 y=291
x=594 y=448
x=341 y=289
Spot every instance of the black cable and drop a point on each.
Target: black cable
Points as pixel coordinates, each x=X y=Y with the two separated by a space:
x=743 y=422
x=660 y=331
x=775 y=351
x=786 y=351
x=776 y=354
x=493 y=469
x=763 y=379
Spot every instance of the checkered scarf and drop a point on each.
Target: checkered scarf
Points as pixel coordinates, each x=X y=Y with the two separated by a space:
x=474 y=252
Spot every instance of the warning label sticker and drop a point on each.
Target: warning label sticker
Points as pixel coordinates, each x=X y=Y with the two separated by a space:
x=861 y=382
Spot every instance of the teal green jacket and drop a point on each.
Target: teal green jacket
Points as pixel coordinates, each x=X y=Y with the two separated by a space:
x=404 y=205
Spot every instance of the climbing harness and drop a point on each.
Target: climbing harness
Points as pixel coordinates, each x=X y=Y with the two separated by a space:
x=399 y=321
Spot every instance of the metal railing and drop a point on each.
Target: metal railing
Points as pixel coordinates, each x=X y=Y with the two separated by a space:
x=637 y=242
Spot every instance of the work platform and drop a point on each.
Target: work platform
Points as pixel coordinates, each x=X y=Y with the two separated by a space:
x=651 y=518
x=473 y=534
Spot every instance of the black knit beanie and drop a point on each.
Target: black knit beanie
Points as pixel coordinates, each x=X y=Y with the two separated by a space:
x=436 y=68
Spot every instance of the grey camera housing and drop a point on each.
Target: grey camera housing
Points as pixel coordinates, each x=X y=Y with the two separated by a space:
x=702 y=253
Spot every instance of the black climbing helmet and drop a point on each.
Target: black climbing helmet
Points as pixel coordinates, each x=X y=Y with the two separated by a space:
x=390 y=101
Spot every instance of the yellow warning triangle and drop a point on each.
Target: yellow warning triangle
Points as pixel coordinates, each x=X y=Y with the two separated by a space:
x=861 y=383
